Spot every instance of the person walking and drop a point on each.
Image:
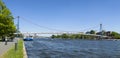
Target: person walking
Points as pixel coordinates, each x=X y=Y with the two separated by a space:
x=6 y=40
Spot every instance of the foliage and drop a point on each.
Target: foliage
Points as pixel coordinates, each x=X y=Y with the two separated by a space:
x=73 y=36
x=115 y=35
x=7 y=26
x=64 y=36
x=92 y=32
x=53 y=36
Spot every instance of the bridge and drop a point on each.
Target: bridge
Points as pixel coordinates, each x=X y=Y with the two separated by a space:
x=59 y=32
x=53 y=33
x=50 y=33
x=37 y=34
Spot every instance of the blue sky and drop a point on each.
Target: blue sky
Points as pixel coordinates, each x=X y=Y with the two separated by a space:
x=66 y=15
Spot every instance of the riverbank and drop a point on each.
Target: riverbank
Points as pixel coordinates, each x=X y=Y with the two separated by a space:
x=24 y=51
x=108 y=35
x=15 y=54
x=86 y=39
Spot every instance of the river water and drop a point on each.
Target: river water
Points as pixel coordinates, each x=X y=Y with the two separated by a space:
x=61 y=48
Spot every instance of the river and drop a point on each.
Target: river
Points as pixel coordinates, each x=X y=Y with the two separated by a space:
x=61 y=48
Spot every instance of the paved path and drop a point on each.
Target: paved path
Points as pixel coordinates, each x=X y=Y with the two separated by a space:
x=4 y=48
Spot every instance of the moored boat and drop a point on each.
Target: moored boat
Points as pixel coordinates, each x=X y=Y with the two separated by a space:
x=28 y=38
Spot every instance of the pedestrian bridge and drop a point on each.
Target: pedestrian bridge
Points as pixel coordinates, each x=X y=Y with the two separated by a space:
x=57 y=33
x=52 y=33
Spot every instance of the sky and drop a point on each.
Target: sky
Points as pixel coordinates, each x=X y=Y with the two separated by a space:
x=66 y=15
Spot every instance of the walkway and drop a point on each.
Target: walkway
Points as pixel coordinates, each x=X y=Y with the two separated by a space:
x=4 y=48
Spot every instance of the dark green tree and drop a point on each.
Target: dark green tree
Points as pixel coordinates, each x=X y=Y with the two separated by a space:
x=64 y=36
x=92 y=32
x=53 y=36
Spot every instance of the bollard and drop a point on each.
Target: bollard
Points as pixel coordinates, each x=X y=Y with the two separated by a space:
x=16 y=44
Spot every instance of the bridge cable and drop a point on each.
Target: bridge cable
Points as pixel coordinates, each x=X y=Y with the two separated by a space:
x=41 y=26
x=53 y=28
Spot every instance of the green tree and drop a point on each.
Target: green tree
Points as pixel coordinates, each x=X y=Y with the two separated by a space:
x=92 y=32
x=7 y=26
x=53 y=36
x=64 y=36
x=115 y=35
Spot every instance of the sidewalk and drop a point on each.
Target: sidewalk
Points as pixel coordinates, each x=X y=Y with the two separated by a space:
x=4 y=48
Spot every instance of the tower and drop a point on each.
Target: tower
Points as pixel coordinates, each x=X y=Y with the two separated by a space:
x=18 y=25
x=101 y=33
x=101 y=28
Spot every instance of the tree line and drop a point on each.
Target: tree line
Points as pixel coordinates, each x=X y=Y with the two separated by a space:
x=73 y=36
x=109 y=34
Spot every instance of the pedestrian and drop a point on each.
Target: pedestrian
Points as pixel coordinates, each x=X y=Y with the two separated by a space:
x=5 y=40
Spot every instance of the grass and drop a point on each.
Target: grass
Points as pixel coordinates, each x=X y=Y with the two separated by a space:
x=15 y=54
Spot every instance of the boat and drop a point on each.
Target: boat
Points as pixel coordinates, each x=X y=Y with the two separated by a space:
x=30 y=38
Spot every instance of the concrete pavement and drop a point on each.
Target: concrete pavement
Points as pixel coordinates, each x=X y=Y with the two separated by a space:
x=4 y=48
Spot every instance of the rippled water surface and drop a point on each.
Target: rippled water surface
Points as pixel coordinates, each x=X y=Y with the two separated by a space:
x=59 y=48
